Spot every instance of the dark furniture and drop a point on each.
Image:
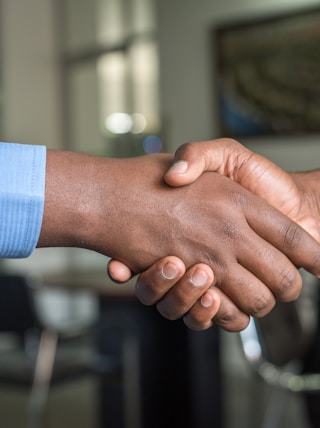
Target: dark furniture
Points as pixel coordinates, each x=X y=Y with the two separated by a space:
x=169 y=376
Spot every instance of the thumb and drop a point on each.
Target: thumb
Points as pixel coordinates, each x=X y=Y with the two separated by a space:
x=192 y=159
x=187 y=165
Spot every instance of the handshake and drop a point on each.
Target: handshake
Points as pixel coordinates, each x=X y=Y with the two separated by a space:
x=216 y=233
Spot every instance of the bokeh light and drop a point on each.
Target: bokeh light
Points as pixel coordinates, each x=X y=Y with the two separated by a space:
x=152 y=144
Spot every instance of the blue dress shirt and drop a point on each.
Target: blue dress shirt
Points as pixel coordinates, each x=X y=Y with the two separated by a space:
x=22 y=175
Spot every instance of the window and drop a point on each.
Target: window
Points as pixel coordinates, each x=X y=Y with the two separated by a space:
x=110 y=76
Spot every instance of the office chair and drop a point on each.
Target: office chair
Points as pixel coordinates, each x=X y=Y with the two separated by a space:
x=36 y=361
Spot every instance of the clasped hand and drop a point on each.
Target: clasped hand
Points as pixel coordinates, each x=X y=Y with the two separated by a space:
x=252 y=248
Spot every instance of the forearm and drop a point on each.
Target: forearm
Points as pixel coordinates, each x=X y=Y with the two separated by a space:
x=103 y=204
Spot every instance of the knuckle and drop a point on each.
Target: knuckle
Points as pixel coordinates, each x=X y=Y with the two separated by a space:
x=227 y=317
x=289 y=284
x=232 y=231
x=292 y=235
x=233 y=325
x=262 y=306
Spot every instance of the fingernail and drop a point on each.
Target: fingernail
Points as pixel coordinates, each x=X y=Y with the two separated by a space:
x=206 y=300
x=170 y=271
x=199 y=277
x=179 y=167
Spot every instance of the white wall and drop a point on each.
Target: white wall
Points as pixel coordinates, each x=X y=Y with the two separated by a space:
x=185 y=73
x=30 y=75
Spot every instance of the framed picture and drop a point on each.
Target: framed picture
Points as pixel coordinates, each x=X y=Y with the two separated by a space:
x=267 y=75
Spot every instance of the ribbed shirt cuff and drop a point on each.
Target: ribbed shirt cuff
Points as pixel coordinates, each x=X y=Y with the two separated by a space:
x=22 y=190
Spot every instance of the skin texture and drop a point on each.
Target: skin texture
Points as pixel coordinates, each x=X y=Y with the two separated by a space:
x=293 y=194
x=296 y=195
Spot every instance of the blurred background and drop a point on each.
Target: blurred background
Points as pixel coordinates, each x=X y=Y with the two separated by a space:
x=124 y=78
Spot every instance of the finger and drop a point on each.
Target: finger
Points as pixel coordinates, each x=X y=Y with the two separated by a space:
x=156 y=281
x=221 y=312
x=188 y=290
x=247 y=292
x=265 y=272
x=192 y=159
x=229 y=317
x=187 y=165
x=200 y=316
x=284 y=234
x=118 y=271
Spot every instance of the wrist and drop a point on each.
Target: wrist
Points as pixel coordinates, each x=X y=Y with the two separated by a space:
x=70 y=200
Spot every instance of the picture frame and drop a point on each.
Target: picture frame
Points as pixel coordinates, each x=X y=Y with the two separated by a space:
x=267 y=75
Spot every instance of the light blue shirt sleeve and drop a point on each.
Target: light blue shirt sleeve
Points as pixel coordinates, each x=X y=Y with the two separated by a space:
x=22 y=188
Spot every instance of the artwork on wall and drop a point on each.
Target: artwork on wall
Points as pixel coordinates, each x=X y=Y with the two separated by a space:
x=267 y=75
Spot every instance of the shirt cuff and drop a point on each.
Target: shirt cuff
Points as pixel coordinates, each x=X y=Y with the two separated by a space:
x=22 y=190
